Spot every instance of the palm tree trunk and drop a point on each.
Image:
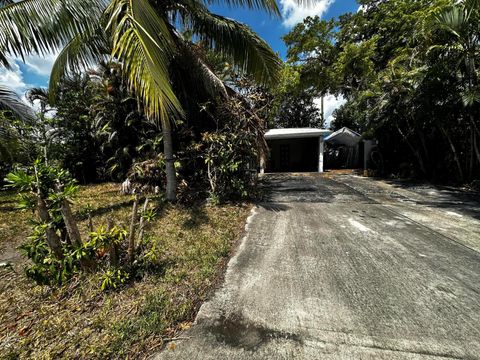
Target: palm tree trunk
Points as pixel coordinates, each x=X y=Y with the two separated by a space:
x=171 y=193
x=53 y=240
x=70 y=223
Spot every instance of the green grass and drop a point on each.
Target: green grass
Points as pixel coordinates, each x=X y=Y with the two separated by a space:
x=78 y=320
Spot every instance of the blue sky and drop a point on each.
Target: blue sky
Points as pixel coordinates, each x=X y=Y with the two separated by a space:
x=272 y=28
x=35 y=71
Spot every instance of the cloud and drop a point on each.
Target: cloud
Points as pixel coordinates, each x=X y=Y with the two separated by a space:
x=293 y=12
x=34 y=64
x=40 y=65
x=13 y=78
x=330 y=104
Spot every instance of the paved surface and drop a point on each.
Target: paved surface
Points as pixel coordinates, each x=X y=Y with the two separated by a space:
x=342 y=267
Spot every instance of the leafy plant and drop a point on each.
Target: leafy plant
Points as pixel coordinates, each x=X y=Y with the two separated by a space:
x=231 y=152
x=113 y=278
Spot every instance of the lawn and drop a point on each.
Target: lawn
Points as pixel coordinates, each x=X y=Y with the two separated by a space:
x=79 y=320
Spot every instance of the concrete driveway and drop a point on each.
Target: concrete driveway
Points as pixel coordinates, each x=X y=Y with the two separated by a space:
x=343 y=267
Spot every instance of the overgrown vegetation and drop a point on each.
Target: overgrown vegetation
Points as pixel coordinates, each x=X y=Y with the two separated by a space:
x=184 y=247
x=409 y=72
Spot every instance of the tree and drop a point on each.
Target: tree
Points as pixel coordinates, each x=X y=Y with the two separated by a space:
x=15 y=120
x=298 y=110
x=143 y=36
x=409 y=73
x=461 y=22
x=310 y=44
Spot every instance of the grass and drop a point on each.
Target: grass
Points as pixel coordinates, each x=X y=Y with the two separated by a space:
x=190 y=246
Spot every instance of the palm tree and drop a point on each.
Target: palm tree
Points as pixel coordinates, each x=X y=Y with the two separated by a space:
x=45 y=134
x=13 y=114
x=143 y=36
x=11 y=102
x=461 y=22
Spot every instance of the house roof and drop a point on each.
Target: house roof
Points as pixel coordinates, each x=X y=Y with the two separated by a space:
x=344 y=136
x=293 y=133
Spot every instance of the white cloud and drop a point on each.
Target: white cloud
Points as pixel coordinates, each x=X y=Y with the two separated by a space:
x=293 y=12
x=40 y=65
x=13 y=78
x=35 y=64
x=330 y=104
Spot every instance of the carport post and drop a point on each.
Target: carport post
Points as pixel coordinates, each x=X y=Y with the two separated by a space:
x=320 y=154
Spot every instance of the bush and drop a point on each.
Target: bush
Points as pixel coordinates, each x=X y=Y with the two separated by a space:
x=231 y=153
x=55 y=248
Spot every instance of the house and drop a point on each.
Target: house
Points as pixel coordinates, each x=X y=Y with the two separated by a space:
x=303 y=150
x=295 y=150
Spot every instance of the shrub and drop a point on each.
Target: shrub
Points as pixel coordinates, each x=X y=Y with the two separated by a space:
x=232 y=151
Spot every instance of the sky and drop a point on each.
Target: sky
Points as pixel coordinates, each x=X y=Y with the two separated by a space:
x=36 y=70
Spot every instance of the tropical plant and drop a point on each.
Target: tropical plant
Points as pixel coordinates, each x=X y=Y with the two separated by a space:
x=56 y=248
x=232 y=151
x=142 y=35
x=461 y=22
x=16 y=119
x=409 y=72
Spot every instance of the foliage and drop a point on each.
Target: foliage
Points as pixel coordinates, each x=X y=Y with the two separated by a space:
x=298 y=110
x=187 y=244
x=54 y=188
x=142 y=35
x=16 y=120
x=231 y=152
x=96 y=130
x=409 y=72
x=112 y=278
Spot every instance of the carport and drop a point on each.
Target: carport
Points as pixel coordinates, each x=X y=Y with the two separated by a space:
x=295 y=150
x=343 y=149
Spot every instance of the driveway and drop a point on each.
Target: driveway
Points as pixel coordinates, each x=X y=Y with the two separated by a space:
x=344 y=267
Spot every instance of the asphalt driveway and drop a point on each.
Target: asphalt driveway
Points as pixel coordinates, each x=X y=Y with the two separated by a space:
x=343 y=267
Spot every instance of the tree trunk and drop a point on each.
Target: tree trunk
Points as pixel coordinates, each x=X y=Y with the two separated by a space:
x=70 y=223
x=131 y=234
x=171 y=193
x=90 y=222
x=415 y=152
x=454 y=152
x=112 y=249
x=53 y=240
x=142 y=222
x=476 y=132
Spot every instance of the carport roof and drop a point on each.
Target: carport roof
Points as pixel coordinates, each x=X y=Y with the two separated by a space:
x=292 y=133
x=344 y=136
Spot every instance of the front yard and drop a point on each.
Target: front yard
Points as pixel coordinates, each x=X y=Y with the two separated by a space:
x=190 y=246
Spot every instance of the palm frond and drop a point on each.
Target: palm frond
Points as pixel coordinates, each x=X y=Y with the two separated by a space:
x=192 y=54
x=249 y=53
x=83 y=51
x=452 y=20
x=270 y=6
x=142 y=43
x=10 y=101
x=43 y=26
